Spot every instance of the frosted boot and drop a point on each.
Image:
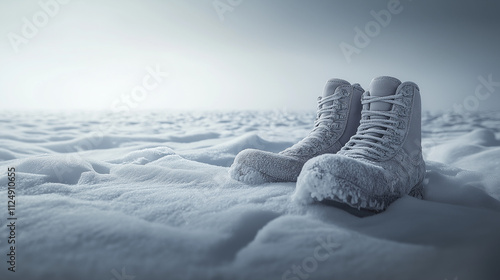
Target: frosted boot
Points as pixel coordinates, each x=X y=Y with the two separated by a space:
x=379 y=164
x=338 y=115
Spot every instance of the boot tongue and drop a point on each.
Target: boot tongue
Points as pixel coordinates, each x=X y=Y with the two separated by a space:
x=329 y=90
x=383 y=86
x=332 y=85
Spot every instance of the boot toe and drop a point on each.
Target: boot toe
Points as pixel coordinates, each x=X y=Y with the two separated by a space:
x=257 y=167
x=245 y=168
x=342 y=179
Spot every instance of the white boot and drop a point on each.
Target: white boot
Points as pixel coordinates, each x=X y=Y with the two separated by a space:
x=382 y=162
x=339 y=112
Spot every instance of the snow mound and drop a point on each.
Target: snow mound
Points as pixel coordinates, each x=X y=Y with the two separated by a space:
x=223 y=154
x=56 y=168
x=148 y=196
x=144 y=156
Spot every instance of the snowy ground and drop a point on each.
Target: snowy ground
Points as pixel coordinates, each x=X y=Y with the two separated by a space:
x=148 y=196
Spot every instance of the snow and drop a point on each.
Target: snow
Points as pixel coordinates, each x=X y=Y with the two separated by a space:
x=148 y=195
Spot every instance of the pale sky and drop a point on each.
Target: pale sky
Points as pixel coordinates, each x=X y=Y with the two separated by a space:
x=257 y=54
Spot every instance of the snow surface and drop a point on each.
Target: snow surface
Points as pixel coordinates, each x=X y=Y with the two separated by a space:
x=148 y=196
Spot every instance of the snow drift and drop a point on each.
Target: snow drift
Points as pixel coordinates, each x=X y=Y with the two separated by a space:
x=148 y=195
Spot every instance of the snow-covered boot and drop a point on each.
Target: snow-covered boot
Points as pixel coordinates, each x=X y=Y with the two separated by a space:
x=379 y=164
x=338 y=115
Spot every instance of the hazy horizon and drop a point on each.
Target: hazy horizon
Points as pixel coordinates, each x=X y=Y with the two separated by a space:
x=255 y=55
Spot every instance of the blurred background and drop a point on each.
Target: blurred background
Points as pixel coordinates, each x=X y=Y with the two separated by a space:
x=242 y=54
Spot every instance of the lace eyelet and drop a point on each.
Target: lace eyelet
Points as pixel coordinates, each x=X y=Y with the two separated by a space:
x=407 y=92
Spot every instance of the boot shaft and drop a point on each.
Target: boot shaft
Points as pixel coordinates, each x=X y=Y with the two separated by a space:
x=338 y=115
x=390 y=121
x=413 y=139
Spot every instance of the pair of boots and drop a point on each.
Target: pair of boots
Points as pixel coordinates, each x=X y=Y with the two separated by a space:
x=364 y=149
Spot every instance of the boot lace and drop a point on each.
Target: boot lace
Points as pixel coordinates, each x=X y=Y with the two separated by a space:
x=326 y=119
x=328 y=116
x=373 y=126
